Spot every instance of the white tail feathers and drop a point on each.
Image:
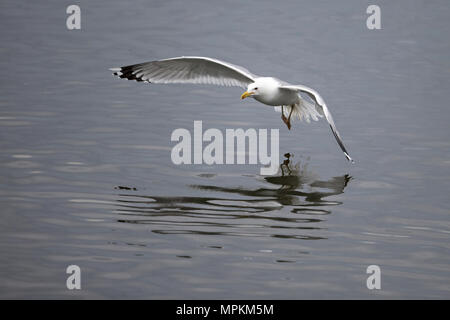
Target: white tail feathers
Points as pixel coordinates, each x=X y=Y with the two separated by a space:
x=303 y=110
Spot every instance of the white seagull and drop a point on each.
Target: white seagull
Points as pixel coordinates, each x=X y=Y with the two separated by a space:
x=268 y=90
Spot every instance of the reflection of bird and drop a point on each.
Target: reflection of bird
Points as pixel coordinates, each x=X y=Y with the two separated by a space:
x=267 y=90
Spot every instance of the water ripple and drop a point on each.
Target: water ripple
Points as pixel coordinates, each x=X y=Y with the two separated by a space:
x=286 y=207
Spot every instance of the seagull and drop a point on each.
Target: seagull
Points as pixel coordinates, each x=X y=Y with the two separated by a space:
x=292 y=99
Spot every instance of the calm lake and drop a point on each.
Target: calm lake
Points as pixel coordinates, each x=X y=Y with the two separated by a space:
x=86 y=176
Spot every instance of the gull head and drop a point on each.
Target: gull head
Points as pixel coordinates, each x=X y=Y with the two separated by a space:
x=263 y=89
x=252 y=90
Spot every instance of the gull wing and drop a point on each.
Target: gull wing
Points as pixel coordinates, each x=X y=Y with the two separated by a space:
x=320 y=104
x=200 y=70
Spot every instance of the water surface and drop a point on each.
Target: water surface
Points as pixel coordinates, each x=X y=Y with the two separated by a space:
x=86 y=176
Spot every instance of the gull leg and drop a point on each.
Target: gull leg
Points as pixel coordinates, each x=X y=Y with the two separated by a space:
x=289 y=118
x=285 y=120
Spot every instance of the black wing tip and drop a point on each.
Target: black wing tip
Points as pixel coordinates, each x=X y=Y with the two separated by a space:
x=341 y=144
x=128 y=73
x=349 y=158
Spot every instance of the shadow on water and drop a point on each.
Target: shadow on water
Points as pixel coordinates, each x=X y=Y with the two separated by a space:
x=292 y=205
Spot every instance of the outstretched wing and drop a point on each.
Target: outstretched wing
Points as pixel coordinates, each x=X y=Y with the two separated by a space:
x=320 y=103
x=201 y=70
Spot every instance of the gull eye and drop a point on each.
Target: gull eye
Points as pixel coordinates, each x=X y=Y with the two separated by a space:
x=256 y=88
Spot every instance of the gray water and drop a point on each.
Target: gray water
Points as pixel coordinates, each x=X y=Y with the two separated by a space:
x=86 y=176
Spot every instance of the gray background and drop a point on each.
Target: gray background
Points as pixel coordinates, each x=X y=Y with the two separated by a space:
x=71 y=134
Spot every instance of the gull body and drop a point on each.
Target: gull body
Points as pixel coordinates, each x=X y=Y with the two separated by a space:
x=267 y=90
x=298 y=101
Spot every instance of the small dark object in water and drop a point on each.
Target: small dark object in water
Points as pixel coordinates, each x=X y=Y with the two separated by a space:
x=125 y=188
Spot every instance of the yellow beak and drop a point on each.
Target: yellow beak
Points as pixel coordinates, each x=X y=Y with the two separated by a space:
x=246 y=94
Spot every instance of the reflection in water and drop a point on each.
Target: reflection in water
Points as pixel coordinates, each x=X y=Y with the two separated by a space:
x=241 y=211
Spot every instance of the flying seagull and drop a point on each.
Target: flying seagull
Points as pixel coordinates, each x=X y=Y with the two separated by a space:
x=268 y=90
